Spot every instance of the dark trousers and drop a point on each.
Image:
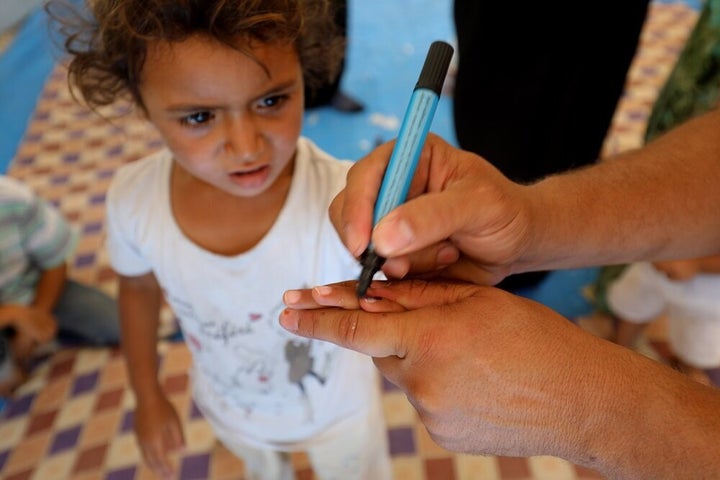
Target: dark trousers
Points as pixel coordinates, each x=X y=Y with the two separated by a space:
x=535 y=93
x=323 y=95
x=538 y=83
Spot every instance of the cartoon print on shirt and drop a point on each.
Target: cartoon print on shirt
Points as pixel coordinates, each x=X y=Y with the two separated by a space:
x=245 y=372
x=249 y=376
x=297 y=354
x=300 y=361
x=302 y=364
x=263 y=365
x=225 y=330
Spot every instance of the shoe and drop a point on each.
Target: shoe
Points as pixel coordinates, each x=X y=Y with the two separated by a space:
x=345 y=103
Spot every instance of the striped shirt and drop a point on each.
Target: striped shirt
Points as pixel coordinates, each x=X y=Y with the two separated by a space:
x=34 y=237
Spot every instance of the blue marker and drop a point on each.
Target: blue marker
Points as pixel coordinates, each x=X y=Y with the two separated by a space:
x=405 y=155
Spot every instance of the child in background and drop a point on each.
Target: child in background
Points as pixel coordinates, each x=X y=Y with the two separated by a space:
x=330 y=92
x=225 y=219
x=688 y=292
x=37 y=300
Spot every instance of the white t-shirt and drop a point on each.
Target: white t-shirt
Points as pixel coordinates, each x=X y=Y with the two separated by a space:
x=692 y=308
x=250 y=377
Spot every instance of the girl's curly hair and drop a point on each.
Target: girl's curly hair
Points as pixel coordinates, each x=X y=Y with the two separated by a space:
x=108 y=47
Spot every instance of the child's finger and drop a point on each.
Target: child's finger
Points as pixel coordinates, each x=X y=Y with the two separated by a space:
x=157 y=459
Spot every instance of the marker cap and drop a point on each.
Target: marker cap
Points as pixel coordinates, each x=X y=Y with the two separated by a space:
x=436 y=66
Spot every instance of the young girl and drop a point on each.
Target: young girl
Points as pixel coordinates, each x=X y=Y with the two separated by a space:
x=221 y=222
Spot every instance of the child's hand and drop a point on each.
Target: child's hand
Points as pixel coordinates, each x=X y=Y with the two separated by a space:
x=159 y=434
x=34 y=323
x=679 y=270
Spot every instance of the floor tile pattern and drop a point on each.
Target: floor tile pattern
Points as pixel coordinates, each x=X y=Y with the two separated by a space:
x=73 y=419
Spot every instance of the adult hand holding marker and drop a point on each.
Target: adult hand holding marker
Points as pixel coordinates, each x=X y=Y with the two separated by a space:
x=403 y=161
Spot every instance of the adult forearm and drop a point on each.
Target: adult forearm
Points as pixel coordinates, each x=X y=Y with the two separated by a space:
x=651 y=422
x=659 y=202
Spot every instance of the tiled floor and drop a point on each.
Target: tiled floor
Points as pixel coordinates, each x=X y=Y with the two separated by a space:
x=73 y=419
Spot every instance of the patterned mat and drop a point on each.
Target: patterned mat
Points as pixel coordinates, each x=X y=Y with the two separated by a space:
x=73 y=419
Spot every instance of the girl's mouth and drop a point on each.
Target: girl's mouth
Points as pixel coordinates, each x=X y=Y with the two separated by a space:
x=251 y=178
x=248 y=172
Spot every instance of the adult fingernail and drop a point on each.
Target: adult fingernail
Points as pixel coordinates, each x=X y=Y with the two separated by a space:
x=352 y=241
x=393 y=235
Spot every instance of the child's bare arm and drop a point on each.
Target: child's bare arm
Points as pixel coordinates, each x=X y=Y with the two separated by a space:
x=139 y=300
x=50 y=287
x=157 y=425
x=686 y=269
x=709 y=264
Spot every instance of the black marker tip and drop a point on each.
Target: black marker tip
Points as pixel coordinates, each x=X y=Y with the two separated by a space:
x=371 y=264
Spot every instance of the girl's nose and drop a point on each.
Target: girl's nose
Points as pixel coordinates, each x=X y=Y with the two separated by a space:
x=242 y=139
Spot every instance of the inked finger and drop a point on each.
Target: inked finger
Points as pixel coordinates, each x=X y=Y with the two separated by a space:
x=335 y=294
x=300 y=298
x=341 y=296
x=413 y=294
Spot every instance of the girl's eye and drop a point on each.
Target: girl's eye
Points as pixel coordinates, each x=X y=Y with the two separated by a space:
x=197 y=118
x=273 y=102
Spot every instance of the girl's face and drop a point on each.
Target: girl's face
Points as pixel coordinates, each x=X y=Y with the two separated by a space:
x=228 y=122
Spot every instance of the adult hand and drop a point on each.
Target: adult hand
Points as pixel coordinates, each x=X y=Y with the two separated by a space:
x=493 y=373
x=463 y=218
x=487 y=371
x=159 y=434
